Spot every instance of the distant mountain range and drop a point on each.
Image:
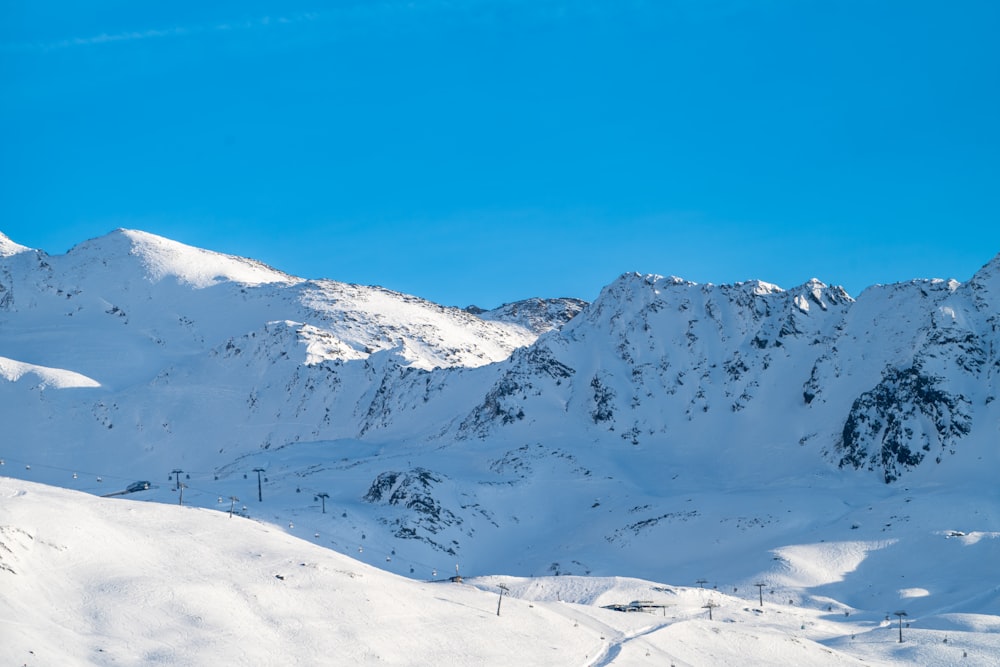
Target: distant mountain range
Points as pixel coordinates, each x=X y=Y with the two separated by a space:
x=667 y=425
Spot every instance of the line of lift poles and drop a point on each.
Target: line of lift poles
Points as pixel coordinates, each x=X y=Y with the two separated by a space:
x=179 y=486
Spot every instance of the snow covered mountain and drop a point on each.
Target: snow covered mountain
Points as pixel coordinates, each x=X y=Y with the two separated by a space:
x=668 y=430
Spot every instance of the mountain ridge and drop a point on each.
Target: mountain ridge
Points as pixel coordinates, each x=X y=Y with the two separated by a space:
x=611 y=420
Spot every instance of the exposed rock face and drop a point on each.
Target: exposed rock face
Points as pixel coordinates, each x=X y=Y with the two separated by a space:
x=536 y=315
x=906 y=416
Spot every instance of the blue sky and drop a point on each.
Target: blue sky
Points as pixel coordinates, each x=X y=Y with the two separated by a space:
x=483 y=151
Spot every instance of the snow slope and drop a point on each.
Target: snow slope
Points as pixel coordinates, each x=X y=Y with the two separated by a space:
x=92 y=581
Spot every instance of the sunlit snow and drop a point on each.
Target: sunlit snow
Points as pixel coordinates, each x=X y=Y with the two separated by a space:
x=701 y=438
x=92 y=581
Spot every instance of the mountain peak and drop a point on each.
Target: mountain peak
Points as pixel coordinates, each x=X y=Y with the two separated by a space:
x=759 y=287
x=653 y=280
x=988 y=276
x=160 y=258
x=8 y=248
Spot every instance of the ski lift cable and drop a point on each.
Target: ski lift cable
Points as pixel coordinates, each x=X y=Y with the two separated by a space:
x=81 y=471
x=68 y=470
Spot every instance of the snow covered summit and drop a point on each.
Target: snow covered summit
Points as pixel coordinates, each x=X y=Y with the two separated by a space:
x=157 y=258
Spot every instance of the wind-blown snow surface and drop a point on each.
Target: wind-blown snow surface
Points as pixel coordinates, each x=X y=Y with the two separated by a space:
x=668 y=430
x=92 y=581
x=14 y=371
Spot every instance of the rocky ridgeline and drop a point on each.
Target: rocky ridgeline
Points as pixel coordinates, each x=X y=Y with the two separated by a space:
x=180 y=353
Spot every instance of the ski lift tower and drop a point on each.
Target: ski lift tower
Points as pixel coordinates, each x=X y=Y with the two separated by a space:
x=260 y=495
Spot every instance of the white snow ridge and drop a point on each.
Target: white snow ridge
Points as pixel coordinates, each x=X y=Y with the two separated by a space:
x=58 y=378
x=303 y=471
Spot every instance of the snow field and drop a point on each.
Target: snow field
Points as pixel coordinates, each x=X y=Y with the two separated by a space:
x=94 y=581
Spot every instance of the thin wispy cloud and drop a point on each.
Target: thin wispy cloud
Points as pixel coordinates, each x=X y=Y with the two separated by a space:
x=158 y=33
x=361 y=14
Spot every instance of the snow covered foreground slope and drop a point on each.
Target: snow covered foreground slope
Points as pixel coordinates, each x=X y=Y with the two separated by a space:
x=92 y=581
x=669 y=430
